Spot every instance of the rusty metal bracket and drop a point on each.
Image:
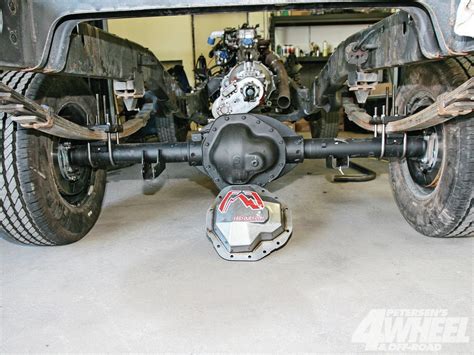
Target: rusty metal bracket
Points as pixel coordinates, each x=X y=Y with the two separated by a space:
x=32 y=115
x=458 y=102
x=49 y=123
x=356 y=56
x=361 y=84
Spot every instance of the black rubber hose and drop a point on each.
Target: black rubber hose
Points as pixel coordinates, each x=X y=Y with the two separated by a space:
x=276 y=65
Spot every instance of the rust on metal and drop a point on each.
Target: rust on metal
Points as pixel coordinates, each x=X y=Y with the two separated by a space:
x=457 y=102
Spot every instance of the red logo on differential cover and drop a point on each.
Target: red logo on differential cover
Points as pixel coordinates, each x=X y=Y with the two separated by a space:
x=249 y=199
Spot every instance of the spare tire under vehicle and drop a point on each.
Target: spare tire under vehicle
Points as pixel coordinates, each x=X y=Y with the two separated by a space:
x=171 y=129
x=41 y=202
x=436 y=195
x=326 y=126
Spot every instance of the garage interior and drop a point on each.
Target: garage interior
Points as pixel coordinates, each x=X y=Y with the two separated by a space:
x=147 y=279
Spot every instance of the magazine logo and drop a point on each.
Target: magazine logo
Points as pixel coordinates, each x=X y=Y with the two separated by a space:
x=410 y=330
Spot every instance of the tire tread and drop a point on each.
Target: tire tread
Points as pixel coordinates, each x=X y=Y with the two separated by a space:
x=15 y=217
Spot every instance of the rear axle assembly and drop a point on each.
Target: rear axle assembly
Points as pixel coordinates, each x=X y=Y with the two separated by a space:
x=245 y=149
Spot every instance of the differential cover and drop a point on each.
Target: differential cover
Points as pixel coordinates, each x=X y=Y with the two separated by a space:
x=245 y=150
x=246 y=222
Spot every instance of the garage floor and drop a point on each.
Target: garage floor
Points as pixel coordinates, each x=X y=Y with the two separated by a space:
x=147 y=279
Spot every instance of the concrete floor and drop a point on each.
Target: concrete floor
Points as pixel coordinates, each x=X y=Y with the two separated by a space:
x=146 y=279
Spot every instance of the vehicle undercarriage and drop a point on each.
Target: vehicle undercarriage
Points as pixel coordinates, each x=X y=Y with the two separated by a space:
x=61 y=129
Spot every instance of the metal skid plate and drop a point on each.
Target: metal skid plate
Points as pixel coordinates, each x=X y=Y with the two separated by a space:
x=247 y=223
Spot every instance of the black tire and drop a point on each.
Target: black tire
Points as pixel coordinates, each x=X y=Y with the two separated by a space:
x=327 y=126
x=38 y=205
x=437 y=200
x=171 y=130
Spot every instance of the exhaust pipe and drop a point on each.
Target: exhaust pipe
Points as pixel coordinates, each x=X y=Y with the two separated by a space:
x=276 y=65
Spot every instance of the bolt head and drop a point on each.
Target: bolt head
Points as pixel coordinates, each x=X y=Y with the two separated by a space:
x=12 y=6
x=13 y=37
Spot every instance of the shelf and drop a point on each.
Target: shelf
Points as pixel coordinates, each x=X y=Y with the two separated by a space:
x=329 y=19
x=313 y=59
